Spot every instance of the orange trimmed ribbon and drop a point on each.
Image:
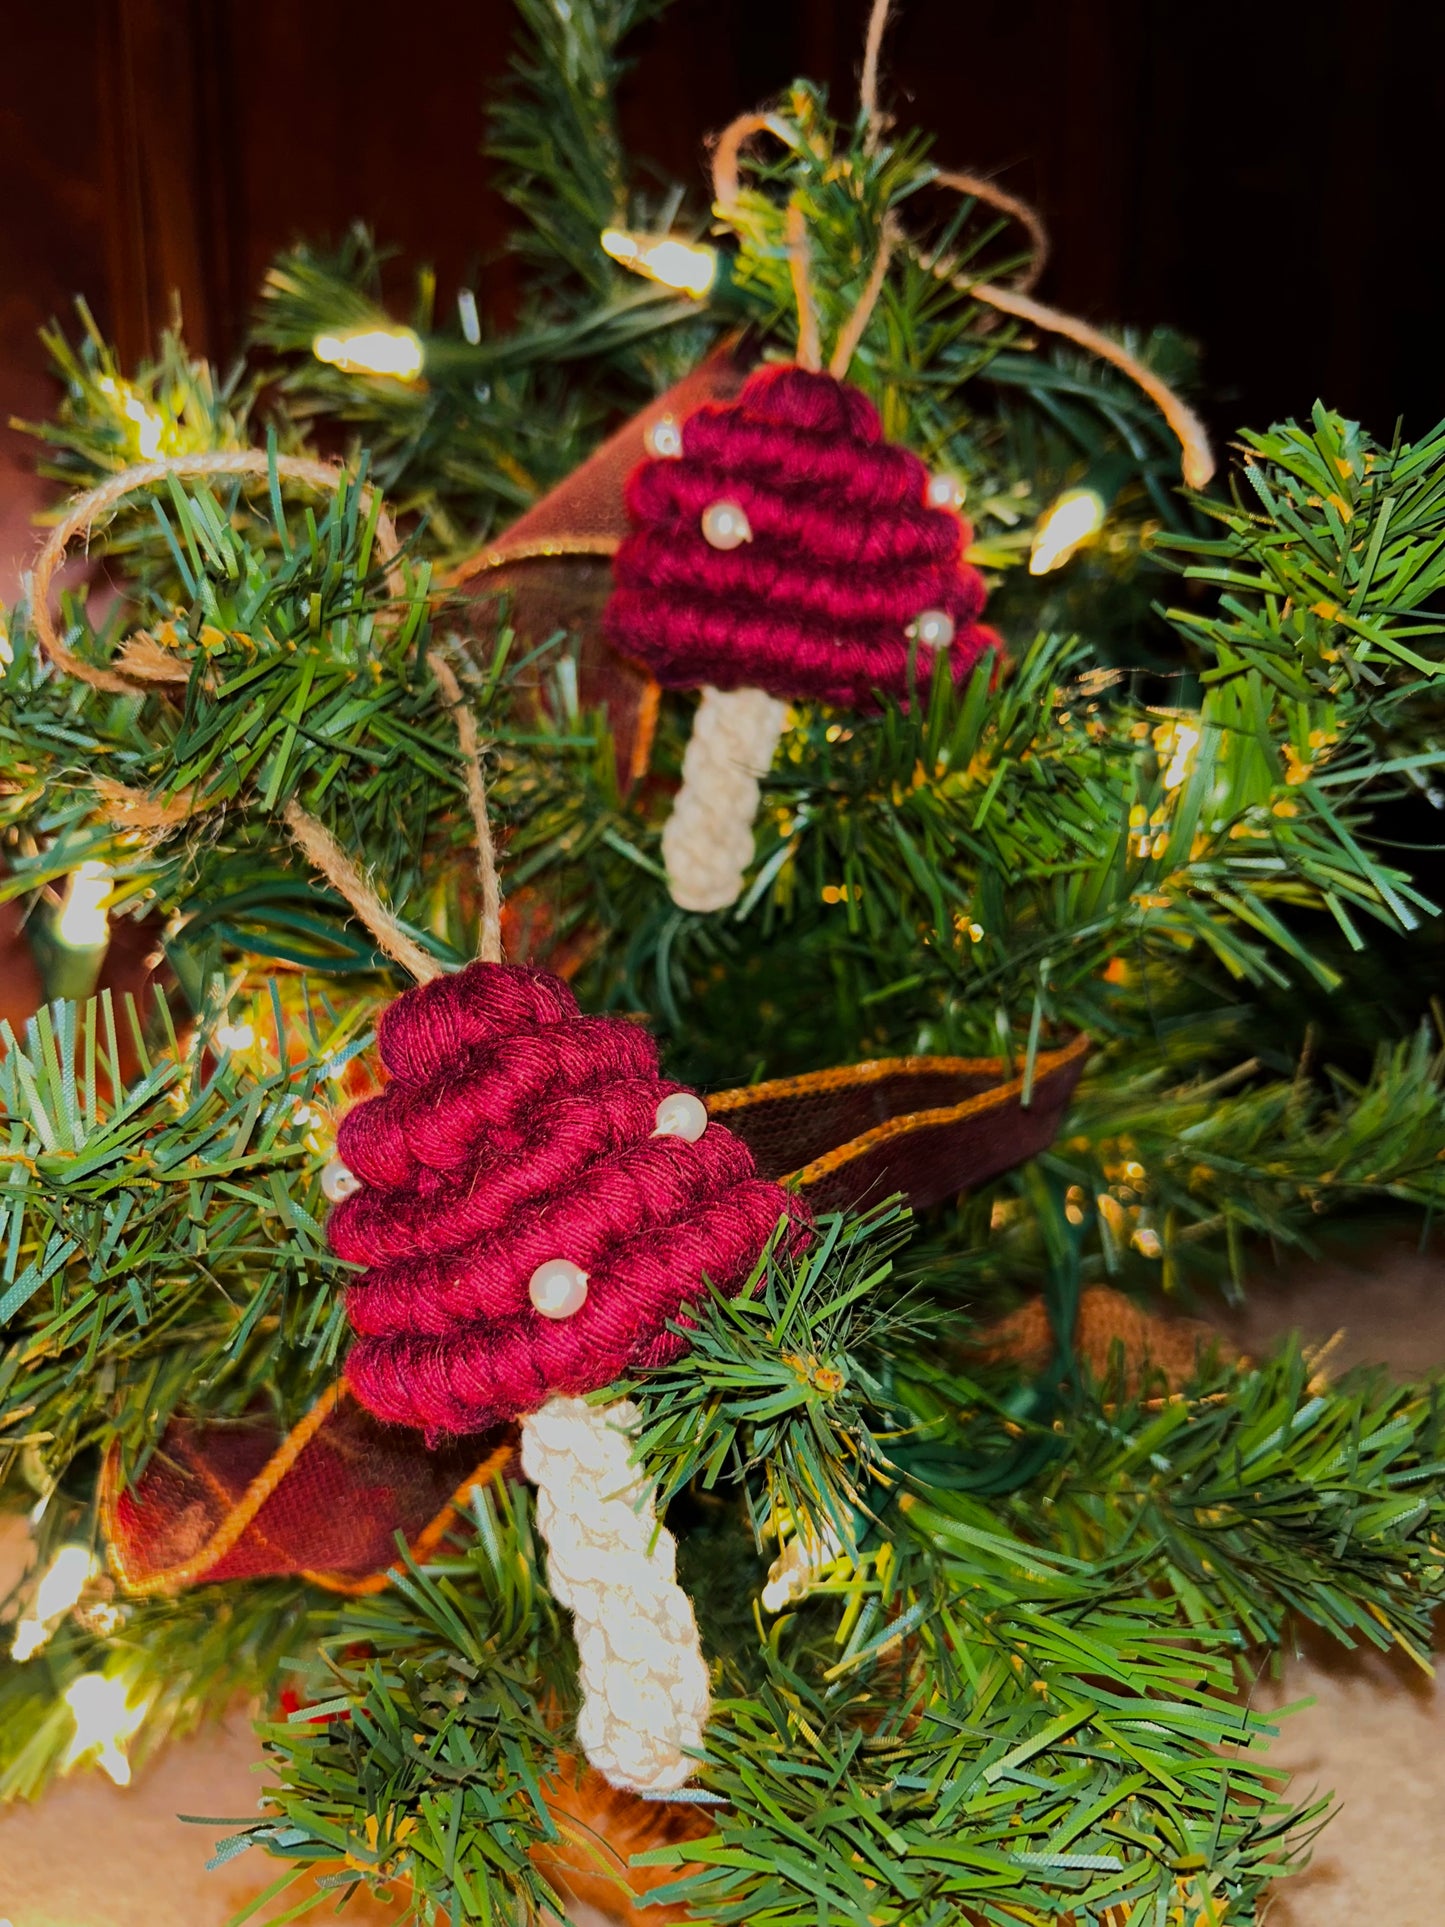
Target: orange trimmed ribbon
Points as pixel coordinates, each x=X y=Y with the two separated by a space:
x=553 y=567
x=326 y=1501
x=928 y=1127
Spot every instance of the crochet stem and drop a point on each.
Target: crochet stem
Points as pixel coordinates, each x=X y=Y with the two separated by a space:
x=707 y=842
x=644 y=1681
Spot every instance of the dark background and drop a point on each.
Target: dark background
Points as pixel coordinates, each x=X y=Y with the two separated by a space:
x=1264 y=176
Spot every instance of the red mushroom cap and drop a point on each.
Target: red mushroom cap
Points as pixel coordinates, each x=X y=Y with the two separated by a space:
x=515 y=1132
x=845 y=553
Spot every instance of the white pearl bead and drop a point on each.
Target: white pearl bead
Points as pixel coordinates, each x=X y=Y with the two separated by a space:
x=681 y=1115
x=664 y=439
x=337 y=1182
x=558 y=1288
x=725 y=526
x=934 y=629
x=944 y=492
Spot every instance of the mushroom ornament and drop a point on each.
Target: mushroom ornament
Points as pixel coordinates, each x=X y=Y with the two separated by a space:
x=780 y=550
x=533 y=1205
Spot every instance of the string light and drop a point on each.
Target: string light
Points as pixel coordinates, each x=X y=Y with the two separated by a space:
x=148 y=423
x=30 y=1636
x=675 y=264
x=82 y=923
x=800 y=1565
x=396 y=352
x=1074 y=519
x=469 y=318
x=104 y=1721
x=235 y=1036
x=1178 y=740
x=70 y=1571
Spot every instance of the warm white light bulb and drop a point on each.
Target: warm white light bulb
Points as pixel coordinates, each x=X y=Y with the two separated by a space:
x=63 y=1584
x=1074 y=519
x=235 y=1036
x=1181 y=745
x=30 y=1636
x=65 y=1580
x=373 y=351
x=104 y=1721
x=82 y=923
x=676 y=264
x=467 y=314
x=799 y=1565
x=148 y=423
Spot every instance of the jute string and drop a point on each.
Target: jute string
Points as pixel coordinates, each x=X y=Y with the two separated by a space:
x=1197 y=458
x=645 y=1682
x=142 y=663
x=727 y=186
x=1015 y=300
x=868 y=87
x=83 y=513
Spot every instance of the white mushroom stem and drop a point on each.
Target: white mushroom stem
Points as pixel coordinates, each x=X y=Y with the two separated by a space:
x=645 y=1694
x=707 y=842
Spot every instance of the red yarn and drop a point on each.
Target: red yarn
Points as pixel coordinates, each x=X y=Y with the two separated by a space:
x=846 y=552
x=514 y=1131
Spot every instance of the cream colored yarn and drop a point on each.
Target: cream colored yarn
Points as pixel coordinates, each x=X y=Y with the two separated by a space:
x=644 y=1681
x=707 y=842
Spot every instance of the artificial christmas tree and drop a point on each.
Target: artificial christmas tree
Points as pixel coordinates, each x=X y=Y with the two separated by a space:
x=1057 y=945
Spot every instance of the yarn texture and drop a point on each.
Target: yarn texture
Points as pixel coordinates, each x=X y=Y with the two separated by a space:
x=644 y=1681
x=516 y=1131
x=707 y=842
x=846 y=552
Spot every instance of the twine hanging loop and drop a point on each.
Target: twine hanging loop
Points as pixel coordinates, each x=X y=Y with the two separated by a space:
x=142 y=665
x=1014 y=299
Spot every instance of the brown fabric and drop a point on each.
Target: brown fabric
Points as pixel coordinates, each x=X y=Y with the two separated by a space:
x=243 y=1500
x=930 y=1127
x=246 y=1500
x=554 y=566
x=1106 y=1318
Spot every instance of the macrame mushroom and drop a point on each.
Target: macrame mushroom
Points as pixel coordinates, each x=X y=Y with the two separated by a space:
x=782 y=550
x=533 y=1204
